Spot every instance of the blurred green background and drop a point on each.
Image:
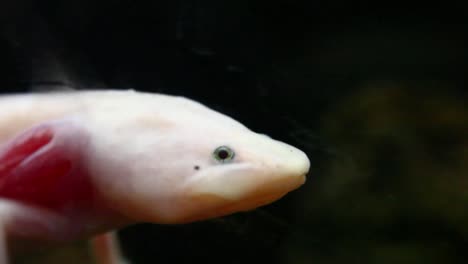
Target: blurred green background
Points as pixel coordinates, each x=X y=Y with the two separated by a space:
x=374 y=93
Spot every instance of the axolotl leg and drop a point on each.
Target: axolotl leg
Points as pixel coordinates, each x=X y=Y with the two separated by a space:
x=106 y=249
x=45 y=192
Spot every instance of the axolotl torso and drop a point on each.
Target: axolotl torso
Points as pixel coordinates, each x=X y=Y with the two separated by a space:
x=74 y=164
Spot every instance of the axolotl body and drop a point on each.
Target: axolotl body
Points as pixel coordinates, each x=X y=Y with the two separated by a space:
x=76 y=164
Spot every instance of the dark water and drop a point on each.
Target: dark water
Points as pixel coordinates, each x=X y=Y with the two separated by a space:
x=375 y=94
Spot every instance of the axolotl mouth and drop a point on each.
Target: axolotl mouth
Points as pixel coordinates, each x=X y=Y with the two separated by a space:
x=220 y=205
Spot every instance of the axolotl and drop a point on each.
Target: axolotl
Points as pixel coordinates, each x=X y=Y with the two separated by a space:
x=80 y=163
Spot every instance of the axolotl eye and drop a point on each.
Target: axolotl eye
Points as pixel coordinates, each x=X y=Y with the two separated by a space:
x=223 y=154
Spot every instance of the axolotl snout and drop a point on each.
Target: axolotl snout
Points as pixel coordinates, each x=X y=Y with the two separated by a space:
x=112 y=158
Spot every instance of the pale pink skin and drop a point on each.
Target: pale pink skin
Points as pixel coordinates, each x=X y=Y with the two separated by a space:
x=132 y=159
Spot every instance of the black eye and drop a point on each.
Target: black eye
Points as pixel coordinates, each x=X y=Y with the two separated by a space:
x=223 y=154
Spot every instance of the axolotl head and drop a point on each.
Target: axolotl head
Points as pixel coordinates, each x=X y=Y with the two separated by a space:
x=167 y=159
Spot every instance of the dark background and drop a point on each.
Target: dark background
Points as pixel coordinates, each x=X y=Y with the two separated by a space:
x=374 y=93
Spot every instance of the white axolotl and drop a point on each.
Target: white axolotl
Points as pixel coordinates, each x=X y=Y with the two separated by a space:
x=77 y=164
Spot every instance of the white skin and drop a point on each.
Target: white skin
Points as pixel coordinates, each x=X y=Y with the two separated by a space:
x=151 y=158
